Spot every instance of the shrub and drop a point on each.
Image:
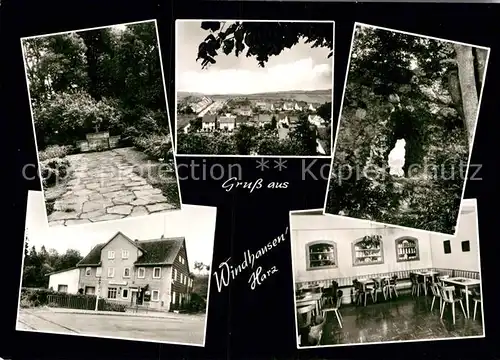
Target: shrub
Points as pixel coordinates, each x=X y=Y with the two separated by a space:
x=54 y=171
x=35 y=297
x=171 y=191
x=55 y=151
x=67 y=117
x=110 y=306
x=128 y=135
x=156 y=146
x=197 y=304
x=109 y=116
x=25 y=303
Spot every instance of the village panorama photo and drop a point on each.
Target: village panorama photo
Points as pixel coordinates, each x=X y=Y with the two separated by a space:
x=101 y=123
x=406 y=130
x=246 y=87
x=142 y=278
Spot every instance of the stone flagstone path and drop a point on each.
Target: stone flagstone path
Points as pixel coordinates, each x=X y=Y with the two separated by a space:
x=104 y=187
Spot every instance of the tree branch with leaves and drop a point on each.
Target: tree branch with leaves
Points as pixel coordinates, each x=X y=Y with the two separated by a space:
x=260 y=40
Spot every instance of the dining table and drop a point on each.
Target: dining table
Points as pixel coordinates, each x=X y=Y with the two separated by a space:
x=307 y=299
x=465 y=283
x=368 y=281
x=425 y=275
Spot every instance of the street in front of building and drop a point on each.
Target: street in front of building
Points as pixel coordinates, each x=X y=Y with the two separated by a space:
x=171 y=327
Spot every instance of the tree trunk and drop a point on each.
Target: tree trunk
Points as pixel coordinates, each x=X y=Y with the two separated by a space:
x=481 y=56
x=465 y=62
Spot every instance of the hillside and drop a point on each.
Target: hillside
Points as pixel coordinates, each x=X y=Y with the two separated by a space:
x=312 y=96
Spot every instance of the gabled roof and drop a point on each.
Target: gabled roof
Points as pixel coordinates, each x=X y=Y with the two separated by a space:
x=184 y=120
x=160 y=252
x=154 y=252
x=207 y=118
x=242 y=119
x=263 y=118
x=93 y=258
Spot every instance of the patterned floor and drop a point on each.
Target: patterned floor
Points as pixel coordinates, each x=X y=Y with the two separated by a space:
x=406 y=318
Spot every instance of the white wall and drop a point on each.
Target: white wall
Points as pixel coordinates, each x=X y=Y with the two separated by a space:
x=69 y=278
x=343 y=231
x=457 y=259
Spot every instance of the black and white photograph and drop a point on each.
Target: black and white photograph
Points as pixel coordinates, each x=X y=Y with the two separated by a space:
x=406 y=129
x=359 y=282
x=144 y=278
x=101 y=123
x=246 y=87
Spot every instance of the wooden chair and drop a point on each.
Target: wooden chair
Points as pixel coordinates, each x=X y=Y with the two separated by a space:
x=391 y=287
x=379 y=288
x=448 y=298
x=335 y=307
x=356 y=291
x=328 y=296
x=363 y=291
x=436 y=294
x=415 y=289
x=421 y=284
x=476 y=296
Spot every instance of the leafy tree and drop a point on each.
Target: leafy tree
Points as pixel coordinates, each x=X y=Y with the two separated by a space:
x=54 y=64
x=260 y=40
x=325 y=111
x=274 y=122
x=200 y=266
x=37 y=264
x=100 y=52
x=195 y=125
x=305 y=135
x=97 y=80
x=245 y=138
x=417 y=95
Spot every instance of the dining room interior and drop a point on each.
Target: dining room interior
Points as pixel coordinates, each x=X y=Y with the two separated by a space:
x=359 y=282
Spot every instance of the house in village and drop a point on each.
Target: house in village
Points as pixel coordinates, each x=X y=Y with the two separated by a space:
x=263 y=119
x=209 y=122
x=311 y=107
x=316 y=120
x=293 y=119
x=262 y=106
x=184 y=122
x=153 y=273
x=201 y=104
x=277 y=107
x=288 y=106
x=65 y=281
x=243 y=110
x=282 y=120
x=297 y=107
x=227 y=122
x=242 y=120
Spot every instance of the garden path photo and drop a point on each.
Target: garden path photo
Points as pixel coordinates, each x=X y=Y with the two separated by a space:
x=406 y=129
x=101 y=123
